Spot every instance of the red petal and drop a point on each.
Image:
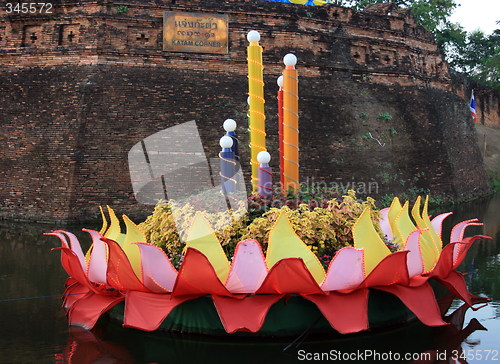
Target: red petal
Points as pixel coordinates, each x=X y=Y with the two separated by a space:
x=120 y=274
x=197 y=277
x=246 y=314
x=456 y=284
x=71 y=264
x=462 y=247
x=86 y=311
x=290 y=276
x=391 y=270
x=346 y=313
x=420 y=300
x=146 y=311
x=73 y=293
x=444 y=264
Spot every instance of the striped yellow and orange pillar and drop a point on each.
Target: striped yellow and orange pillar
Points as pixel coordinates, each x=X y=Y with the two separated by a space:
x=257 y=118
x=290 y=124
x=280 y=131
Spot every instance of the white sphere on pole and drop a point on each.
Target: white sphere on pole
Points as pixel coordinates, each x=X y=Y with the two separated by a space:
x=290 y=60
x=253 y=36
x=226 y=141
x=280 y=81
x=229 y=125
x=263 y=157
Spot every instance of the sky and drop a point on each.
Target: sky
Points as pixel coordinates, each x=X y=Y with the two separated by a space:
x=477 y=14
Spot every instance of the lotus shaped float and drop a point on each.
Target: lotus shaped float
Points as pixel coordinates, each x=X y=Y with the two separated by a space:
x=124 y=267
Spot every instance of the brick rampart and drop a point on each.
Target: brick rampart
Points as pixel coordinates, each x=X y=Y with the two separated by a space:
x=82 y=86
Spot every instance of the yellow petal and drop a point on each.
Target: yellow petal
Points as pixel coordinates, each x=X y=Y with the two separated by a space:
x=392 y=214
x=202 y=237
x=415 y=212
x=366 y=237
x=133 y=235
x=404 y=225
x=104 y=221
x=435 y=237
x=284 y=243
x=114 y=230
x=430 y=252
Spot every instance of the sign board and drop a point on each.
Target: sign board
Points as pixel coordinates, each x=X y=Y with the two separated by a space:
x=195 y=32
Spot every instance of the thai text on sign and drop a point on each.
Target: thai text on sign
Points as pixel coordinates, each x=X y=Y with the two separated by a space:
x=195 y=32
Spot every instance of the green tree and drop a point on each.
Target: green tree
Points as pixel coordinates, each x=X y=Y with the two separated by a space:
x=479 y=58
x=432 y=14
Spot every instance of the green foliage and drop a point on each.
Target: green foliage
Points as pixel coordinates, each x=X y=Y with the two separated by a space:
x=385 y=177
x=432 y=14
x=122 y=9
x=364 y=115
x=495 y=181
x=324 y=229
x=392 y=132
x=384 y=116
x=479 y=58
x=161 y=228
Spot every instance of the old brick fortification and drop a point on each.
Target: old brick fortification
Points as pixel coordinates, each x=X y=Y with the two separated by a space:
x=81 y=86
x=487 y=99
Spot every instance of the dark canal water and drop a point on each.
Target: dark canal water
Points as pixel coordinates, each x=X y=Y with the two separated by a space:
x=33 y=327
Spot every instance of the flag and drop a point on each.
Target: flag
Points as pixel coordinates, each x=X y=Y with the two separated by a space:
x=472 y=107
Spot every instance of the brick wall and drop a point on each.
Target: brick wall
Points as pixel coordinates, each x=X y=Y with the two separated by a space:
x=487 y=99
x=95 y=82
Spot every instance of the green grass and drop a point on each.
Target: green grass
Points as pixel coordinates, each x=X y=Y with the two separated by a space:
x=495 y=183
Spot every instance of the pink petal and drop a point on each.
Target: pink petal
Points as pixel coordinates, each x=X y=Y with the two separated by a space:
x=414 y=257
x=62 y=237
x=385 y=226
x=248 y=269
x=457 y=233
x=98 y=262
x=158 y=273
x=345 y=271
x=457 y=236
x=75 y=246
x=437 y=222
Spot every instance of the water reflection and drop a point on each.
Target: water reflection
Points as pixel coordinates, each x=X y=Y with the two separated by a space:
x=36 y=330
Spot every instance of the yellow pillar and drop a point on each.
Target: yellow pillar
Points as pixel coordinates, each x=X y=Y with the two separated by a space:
x=290 y=123
x=257 y=118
